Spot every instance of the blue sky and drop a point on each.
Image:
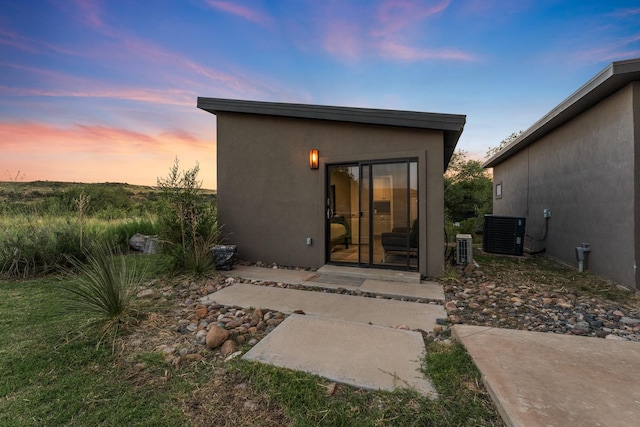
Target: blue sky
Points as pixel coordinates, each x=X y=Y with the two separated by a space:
x=97 y=91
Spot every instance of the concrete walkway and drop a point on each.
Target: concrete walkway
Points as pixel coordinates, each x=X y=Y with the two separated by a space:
x=344 y=338
x=372 y=311
x=363 y=356
x=544 y=379
x=535 y=379
x=382 y=282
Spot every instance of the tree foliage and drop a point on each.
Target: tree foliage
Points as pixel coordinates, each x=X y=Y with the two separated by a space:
x=508 y=140
x=467 y=189
x=187 y=221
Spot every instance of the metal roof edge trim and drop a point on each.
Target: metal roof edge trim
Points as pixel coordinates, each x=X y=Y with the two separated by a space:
x=415 y=119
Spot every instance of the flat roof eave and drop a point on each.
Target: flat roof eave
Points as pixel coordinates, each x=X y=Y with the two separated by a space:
x=415 y=119
x=451 y=124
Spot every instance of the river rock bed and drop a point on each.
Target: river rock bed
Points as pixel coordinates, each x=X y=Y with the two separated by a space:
x=184 y=330
x=477 y=299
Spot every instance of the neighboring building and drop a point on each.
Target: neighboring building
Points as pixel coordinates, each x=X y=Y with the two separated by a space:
x=582 y=162
x=374 y=198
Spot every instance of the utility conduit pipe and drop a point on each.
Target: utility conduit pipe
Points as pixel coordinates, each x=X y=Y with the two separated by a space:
x=582 y=253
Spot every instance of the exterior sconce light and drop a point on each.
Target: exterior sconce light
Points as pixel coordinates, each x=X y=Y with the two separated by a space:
x=313 y=159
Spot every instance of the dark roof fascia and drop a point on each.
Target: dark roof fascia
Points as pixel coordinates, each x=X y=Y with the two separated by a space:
x=613 y=78
x=451 y=124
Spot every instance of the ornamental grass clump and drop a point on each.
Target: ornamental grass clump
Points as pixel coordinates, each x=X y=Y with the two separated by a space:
x=103 y=289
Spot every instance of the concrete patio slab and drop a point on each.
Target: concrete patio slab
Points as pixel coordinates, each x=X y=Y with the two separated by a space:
x=348 y=308
x=425 y=290
x=382 y=282
x=359 y=355
x=292 y=277
x=544 y=379
x=372 y=273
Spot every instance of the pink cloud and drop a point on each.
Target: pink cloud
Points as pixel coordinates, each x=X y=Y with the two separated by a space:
x=119 y=44
x=10 y=38
x=494 y=8
x=241 y=11
x=396 y=15
x=613 y=50
x=127 y=46
x=97 y=153
x=341 y=39
x=388 y=32
x=397 y=18
x=624 y=13
x=72 y=86
x=90 y=12
x=167 y=97
x=406 y=53
x=26 y=136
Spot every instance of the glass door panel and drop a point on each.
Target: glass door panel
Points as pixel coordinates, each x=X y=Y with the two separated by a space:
x=391 y=226
x=365 y=211
x=342 y=213
x=372 y=214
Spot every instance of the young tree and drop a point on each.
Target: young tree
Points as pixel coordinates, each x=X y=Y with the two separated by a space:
x=188 y=224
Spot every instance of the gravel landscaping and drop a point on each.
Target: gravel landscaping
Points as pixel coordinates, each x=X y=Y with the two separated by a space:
x=480 y=300
x=531 y=294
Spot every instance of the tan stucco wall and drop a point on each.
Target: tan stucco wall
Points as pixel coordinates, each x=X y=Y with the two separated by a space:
x=584 y=172
x=269 y=201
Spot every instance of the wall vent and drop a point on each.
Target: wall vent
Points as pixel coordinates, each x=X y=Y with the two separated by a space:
x=503 y=234
x=464 y=249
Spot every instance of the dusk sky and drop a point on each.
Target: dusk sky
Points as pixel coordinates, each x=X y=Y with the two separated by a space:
x=97 y=91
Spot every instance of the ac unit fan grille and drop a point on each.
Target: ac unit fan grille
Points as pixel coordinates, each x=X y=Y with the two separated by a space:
x=464 y=249
x=503 y=235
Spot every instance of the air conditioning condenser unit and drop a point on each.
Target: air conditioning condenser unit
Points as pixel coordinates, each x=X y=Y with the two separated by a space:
x=464 y=249
x=503 y=234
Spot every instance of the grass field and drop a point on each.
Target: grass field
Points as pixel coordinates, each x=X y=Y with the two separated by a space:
x=43 y=222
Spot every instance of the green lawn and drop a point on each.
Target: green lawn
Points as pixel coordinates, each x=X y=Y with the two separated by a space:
x=52 y=375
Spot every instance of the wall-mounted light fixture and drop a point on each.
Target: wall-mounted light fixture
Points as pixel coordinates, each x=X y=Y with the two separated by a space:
x=313 y=159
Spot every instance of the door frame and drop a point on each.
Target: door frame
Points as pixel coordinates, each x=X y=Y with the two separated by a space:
x=330 y=207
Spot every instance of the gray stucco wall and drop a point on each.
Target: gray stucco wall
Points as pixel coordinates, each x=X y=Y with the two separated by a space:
x=636 y=180
x=270 y=201
x=584 y=172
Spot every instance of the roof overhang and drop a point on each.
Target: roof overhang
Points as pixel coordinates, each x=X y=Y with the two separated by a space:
x=613 y=78
x=451 y=125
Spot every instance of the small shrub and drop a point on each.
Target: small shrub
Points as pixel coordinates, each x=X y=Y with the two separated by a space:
x=103 y=289
x=200 y=261
x=450 y=273
x=188 y=223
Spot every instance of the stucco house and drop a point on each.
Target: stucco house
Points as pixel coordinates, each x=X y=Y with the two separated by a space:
x=309 y=185
x=581 y=162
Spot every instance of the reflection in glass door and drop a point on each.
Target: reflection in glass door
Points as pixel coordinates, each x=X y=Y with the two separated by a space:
x=342 y=213
x=372 y=214
x=365 y=211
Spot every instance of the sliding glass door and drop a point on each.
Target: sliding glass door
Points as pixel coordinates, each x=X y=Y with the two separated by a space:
x=372 y=214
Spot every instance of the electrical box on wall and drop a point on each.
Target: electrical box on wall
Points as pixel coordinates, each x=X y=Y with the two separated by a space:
x=546 y=213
